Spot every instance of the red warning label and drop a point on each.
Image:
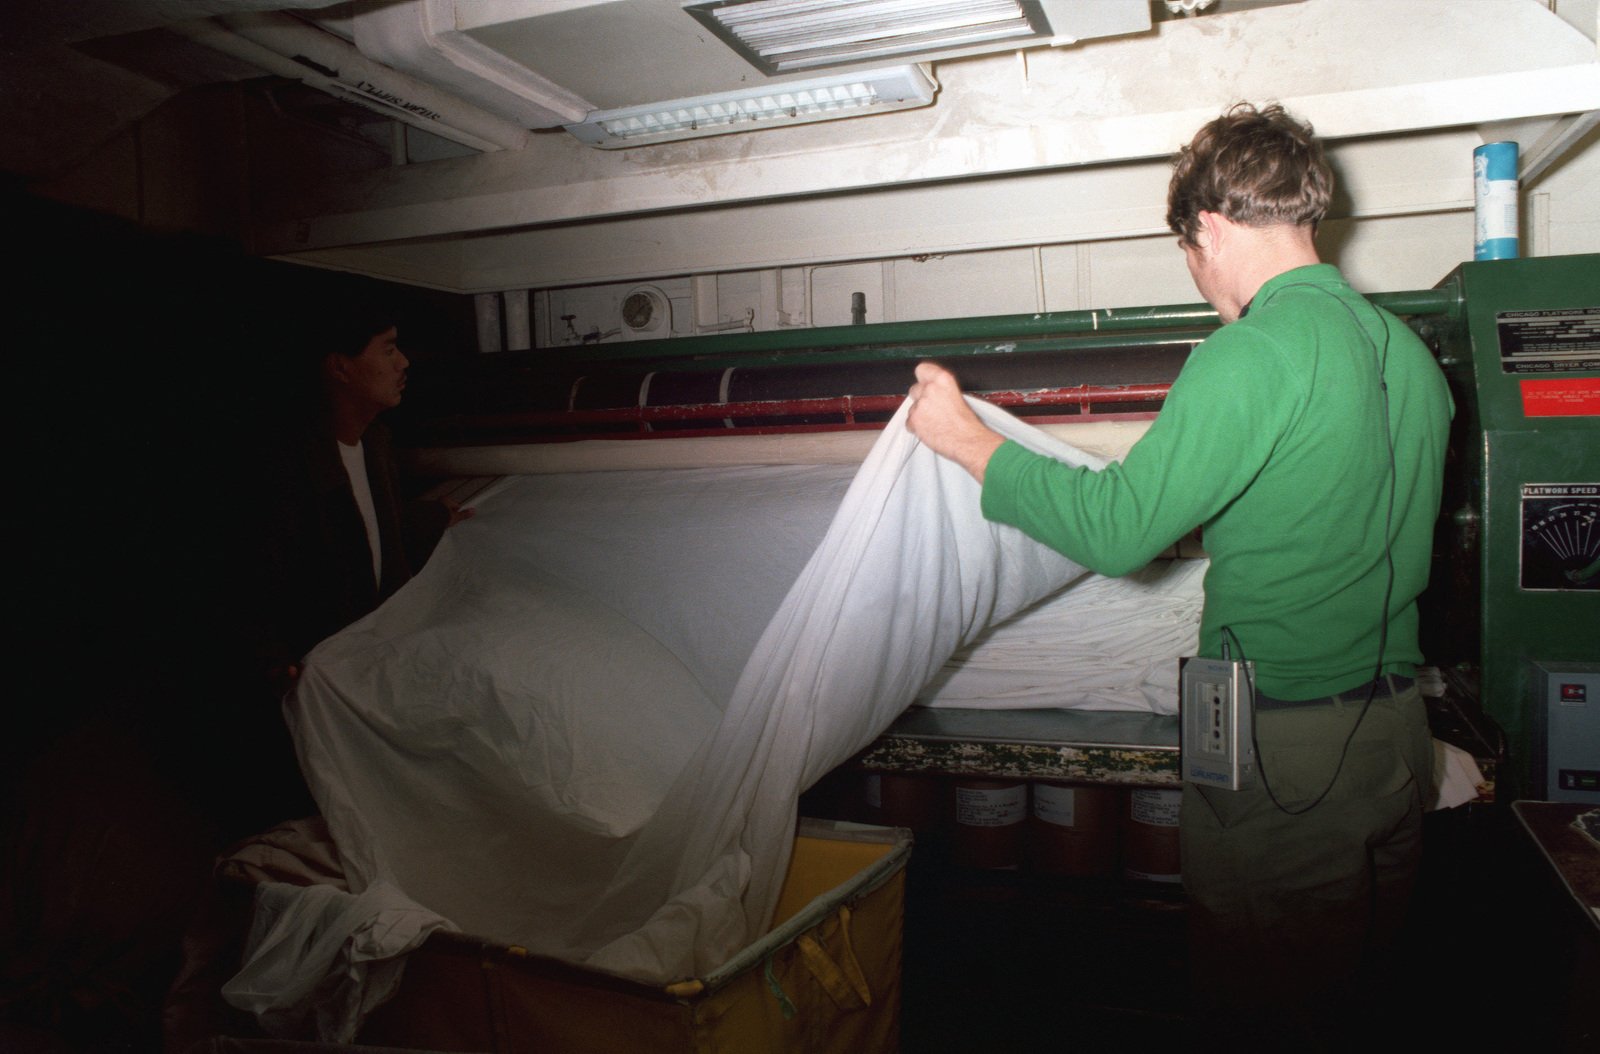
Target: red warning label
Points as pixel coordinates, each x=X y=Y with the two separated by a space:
x=1563 y=397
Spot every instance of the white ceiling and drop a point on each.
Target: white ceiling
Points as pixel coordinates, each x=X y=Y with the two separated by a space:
x=75 y=73
x=1076 y=132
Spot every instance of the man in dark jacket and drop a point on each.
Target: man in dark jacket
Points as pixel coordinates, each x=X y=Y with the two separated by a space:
x=335 y=535
x=336 y=542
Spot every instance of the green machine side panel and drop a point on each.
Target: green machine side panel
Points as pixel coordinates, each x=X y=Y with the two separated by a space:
x=1523 y=364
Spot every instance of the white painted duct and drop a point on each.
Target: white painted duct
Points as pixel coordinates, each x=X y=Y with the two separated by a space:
x=420 y=38
x=285 y=46
x=1565 y=134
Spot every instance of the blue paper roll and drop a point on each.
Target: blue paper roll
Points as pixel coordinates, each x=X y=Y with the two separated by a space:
x=1494 y=182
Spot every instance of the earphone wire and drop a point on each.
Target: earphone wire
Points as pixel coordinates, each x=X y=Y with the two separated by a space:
x=1382 y=357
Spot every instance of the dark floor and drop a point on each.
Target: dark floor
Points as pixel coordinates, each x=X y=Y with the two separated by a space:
x=1019 y=963
x=1495 y=958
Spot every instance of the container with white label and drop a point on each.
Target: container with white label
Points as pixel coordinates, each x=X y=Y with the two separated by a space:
x=1150 y=842
x=988 y=828
x=1074 y=829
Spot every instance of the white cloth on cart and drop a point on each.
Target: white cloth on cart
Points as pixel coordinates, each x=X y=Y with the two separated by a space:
x=584 y=727
x=320 y=959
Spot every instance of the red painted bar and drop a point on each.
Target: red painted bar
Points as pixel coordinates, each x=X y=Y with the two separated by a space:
x=1083 y=396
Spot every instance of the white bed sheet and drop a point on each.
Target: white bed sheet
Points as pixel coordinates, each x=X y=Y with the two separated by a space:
x=585 y=730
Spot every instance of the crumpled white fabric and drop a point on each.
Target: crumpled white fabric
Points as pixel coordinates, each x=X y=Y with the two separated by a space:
x=1456 y=776
x=450 y=737
x=318 y=960
x=493 y=737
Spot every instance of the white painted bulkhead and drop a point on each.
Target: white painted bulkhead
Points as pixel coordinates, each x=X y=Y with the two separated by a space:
x=1037 y=182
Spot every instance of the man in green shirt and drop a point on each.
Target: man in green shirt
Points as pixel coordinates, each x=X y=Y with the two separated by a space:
x=1306 y=437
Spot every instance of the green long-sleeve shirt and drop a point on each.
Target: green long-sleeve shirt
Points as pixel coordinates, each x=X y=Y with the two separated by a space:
x=1271 y=441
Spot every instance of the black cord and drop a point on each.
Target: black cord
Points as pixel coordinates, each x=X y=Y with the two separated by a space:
x=1388 y=591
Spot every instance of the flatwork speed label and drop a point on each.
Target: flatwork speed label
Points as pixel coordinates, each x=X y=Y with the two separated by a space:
x=1561 y=536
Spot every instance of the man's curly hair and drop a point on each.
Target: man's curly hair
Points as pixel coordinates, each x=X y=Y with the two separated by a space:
x=1255 y=167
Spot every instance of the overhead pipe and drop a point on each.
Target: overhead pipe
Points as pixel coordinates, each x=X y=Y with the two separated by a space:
x=896 y=340
x=285 y=46
x=955 y=349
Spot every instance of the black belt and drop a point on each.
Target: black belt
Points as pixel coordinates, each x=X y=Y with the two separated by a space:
x=1387 y=685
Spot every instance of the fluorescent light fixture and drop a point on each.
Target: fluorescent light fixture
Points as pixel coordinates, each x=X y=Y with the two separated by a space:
x=789 y=36
x=785 y=103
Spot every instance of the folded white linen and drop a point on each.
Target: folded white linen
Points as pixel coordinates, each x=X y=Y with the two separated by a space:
x=1099 y=644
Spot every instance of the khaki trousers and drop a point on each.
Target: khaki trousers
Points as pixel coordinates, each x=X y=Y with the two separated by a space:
x=1290 y=915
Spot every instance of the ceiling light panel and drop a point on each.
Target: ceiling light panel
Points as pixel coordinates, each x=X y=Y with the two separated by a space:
x=791 y=102
x=789 y=36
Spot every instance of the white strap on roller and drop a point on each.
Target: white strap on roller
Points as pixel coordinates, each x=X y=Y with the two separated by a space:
x=644 y=397
x=722 y=392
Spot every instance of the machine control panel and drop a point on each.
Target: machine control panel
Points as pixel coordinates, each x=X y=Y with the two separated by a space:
x=1569 y=698
x=1560 y=536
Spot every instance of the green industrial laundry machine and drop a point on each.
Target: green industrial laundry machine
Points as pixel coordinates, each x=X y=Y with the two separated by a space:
x=1515 y=599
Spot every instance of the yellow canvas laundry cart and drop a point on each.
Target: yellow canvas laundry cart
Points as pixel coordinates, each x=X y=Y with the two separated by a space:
x=826 y=977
